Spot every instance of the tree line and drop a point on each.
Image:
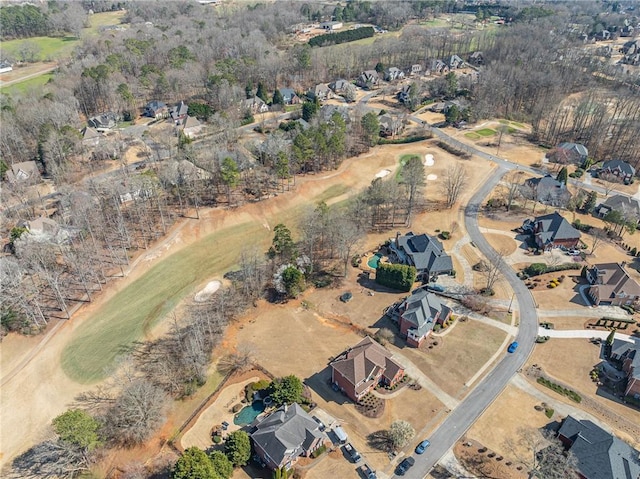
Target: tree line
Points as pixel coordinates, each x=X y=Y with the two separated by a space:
x=26 y=21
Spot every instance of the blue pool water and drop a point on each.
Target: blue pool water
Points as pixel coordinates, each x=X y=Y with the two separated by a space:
x=374 y=261
x=248 y=414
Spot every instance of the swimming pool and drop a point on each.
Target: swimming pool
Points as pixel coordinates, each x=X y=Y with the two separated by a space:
x=374 y=261
x=248 y=414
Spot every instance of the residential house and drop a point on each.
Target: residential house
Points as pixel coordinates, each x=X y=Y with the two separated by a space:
x=612 y=285
x=552 y=231
x=424 y=252
x=546 y=190
x=90 y=136
x=42 y=226
x=618 y=168
x=5 y=67
x=628 y=357
x=404 y=96
x=415 y=69
x=417 y=314
x=567 y=153
x=285 y=435
x=326 y=112
x=330 y=26
x=156 y=109
x=23 y=172
x=602 y=35
x=190 y=126
x=289 y=96
x=455 y=62
x=255 y=105
x=179 y=112
x=393 y=73
x=320 y=92
x=599 y=454
x=368 y=79
x=631 y=47
x=339 y=86
x=361 y=368
x=104 y=121
x=627 y=31
x=439 y=67
x=627 y=206
x=476 y=58
x=390 y=125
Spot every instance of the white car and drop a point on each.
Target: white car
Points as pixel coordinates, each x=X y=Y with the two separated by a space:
x=573 y=252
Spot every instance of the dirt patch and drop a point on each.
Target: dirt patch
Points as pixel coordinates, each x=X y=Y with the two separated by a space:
x=485 y=462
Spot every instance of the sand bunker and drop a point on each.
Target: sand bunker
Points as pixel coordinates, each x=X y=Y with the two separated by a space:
x=206 y=292
x=432 y=177
x=382 y=173
x=428 y=160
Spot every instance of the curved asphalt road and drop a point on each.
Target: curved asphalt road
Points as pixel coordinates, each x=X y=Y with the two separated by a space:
x=470 y=409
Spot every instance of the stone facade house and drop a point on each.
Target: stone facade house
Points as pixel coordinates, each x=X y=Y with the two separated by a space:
x=618 y=168
x=546 y=190
x=627 y=206
x=417 y=314
x=361 y=368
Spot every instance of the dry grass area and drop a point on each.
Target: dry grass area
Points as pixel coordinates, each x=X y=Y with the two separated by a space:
x=570 y=361
x=502 y=243
x=564 y=296
x=467 y=347
x=512 y=410
x=475 y=457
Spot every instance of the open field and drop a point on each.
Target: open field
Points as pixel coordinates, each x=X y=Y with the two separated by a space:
x=468 y=346
x=35 y=83
x=49 y=48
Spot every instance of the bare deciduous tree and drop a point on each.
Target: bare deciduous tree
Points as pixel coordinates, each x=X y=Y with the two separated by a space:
x=452 y=183
x=239 y=361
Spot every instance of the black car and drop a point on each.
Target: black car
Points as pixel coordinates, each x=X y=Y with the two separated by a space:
x=405 y=465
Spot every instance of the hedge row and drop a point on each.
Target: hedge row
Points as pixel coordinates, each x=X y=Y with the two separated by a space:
x=453 y=150
x=574 y=396
x=341 y=37
x=399 y=141
x=536 y=269
x=396 y=276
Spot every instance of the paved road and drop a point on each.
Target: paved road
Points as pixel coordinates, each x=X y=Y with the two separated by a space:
x=470 y=409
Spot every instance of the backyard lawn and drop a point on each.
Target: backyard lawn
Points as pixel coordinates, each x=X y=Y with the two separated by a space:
x=27 y=85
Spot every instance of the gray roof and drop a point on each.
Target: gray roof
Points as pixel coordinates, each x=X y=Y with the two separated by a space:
x=549 y=191
x=555 y=227
x=600 y=455
x=327 y=111
x=180 y=110
x=623 y=166
x=426 y=253
x=624 y=204
x=574 y=147
x=421 y=309
x=287 y=94
x=288 y=431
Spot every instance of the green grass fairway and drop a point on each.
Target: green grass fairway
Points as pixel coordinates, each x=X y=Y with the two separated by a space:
x=473 y=136
x=50 y=48
x=25 y=86
x=485 y=132
x=104 y=19
x=405 y=158
x=96 y=344
x=517 y=125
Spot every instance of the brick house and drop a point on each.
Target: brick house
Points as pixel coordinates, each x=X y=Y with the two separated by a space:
x=568 y=153
x=417 y=314
x=612 y=285
x=618 y=168
x=364 y=366
x=628 y=356
x=546 y=190
x=552 y=231
x=285 y=435
x=599 y=454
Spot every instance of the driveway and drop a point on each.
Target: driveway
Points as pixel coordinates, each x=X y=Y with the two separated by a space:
x=587 y=334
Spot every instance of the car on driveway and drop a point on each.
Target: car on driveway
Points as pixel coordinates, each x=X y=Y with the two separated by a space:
x=405 y=465
x=352 y=452
x=422 y=446
x=512 y=347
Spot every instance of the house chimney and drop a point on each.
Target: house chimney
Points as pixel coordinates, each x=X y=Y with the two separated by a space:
x=623 y=264
x=397 y=237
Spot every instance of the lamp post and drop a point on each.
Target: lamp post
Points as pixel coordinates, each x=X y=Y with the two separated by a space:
x=511 y=302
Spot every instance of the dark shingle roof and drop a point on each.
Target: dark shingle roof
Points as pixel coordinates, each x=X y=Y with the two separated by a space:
x=426 y=252
x=555 y=227
x=624 y=204
x=549 y=191
x=623 y=166
x=421 y=308
x=288 y=431
x=600 y=455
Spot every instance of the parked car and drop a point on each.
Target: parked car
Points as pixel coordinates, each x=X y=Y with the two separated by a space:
x=352 y=452
x=573 y=252
x=422 y=446
x=367 y=472
x=405 y=465
x=512 y=347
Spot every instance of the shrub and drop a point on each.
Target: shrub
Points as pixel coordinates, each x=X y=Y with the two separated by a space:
x=535 y=269
x=217 y=439
x=319 y=451
x=445 y=235
x=549 y=412
x=396 y=276
x=399 y=141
